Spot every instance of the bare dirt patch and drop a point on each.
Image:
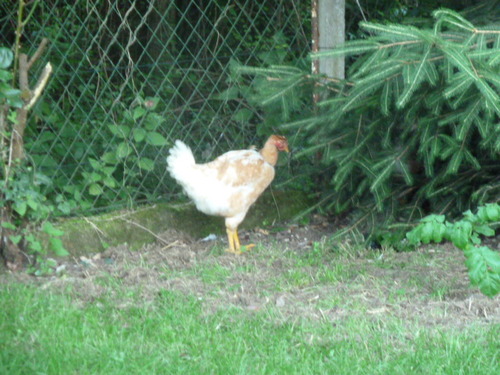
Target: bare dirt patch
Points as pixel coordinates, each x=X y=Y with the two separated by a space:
x=293 y=273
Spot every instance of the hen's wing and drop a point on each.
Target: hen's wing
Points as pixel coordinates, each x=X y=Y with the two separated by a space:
x=230 y=184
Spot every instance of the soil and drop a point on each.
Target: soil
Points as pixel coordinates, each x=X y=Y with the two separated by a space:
x=429 y=285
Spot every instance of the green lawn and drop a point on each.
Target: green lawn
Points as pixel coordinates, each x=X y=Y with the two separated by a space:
x=387 y=313
x=45 y=333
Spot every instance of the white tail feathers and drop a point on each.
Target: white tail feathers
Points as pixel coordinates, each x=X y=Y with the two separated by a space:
x=180 y=161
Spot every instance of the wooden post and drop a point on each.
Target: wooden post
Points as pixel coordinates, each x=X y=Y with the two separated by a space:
x=330 y=33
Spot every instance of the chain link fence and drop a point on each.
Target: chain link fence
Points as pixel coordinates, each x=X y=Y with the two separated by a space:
x=130 y=77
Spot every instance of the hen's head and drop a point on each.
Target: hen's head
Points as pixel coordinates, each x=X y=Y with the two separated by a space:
x=280 y=142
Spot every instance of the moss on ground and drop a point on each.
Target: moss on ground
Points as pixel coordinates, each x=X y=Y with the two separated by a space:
x=139 y=227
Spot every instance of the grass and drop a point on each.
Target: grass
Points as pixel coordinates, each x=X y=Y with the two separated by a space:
x=47 y=330
x=45 y=333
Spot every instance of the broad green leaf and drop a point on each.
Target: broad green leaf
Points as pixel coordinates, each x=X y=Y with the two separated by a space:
x=109 y=158
x=485 y=230
x=65 y=207
x=427 y=232
x=489 y=213
x=138 y=112
x=95 y=189
x=109 y=182
x=8 y=225
x=57 y=247
x=49 y=228
x=434 y=218
x=438 y=232
x=123 y=150
x=108 y=171
x=94 y=164
x=121 y=131
x=5 y=75
x=484 y=269
x=6 y=57
x=139 y=134
x=153 y=121
x=155 y=139
x=95 y=177
x=460 y=233
x=35 y=245
x=20 y=207
x=146 y=164
x=33 y=204
x=16 y=239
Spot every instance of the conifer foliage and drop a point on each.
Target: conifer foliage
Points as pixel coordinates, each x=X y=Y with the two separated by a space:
x=414 y=128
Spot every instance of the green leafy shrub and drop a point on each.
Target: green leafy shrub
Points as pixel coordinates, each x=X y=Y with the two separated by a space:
x=22 y=204
x=482 y=262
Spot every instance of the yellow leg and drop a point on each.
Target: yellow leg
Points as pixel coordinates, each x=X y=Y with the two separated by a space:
x=234 y=242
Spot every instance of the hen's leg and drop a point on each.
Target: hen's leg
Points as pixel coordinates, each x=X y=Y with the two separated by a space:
x=234 y=242
x=237 y=242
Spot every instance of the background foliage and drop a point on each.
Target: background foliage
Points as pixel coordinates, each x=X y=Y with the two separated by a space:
x=415 y=127
x=131 y=77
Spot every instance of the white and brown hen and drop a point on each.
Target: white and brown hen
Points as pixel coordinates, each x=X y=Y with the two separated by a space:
x=228 y=185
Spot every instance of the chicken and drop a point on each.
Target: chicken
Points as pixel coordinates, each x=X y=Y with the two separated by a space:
x=228 y=185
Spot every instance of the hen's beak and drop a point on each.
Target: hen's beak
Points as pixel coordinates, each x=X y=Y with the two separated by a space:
x=286 y=149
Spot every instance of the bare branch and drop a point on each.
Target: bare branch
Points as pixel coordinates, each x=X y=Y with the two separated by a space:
x=42 y=82
x=38 y=53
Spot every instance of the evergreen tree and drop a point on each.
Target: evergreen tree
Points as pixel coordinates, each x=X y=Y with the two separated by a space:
x=413 y=129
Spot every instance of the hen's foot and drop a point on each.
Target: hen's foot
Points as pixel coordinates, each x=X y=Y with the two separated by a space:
x=243 y=249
